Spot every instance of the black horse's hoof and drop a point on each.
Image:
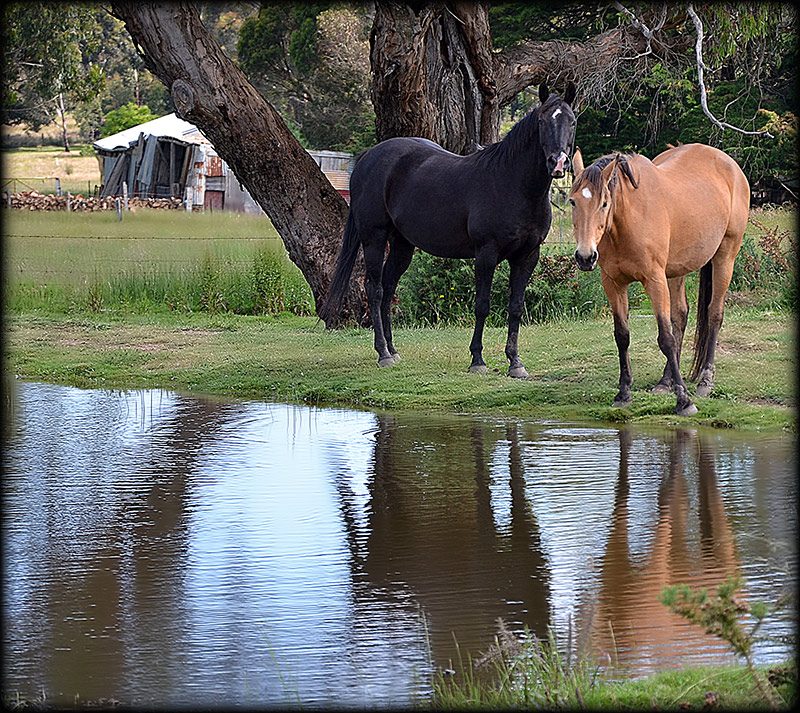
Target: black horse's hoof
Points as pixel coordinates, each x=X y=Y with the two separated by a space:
x=689 y=410
x=703 y=390
x=386 y=361
x=518 y=372
x=661 y=389
x=478 y=368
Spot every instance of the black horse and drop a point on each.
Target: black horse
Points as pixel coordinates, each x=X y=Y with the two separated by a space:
x=491 y=205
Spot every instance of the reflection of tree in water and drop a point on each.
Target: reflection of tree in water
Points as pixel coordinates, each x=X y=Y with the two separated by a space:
x=627 y=616
x=432 y=531
x=125 y=594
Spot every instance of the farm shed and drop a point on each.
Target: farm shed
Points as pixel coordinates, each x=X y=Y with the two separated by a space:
x=169 y=157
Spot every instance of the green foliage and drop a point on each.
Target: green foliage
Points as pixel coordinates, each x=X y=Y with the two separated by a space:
x=125 y=117
x=438 y=290
x=767 y=264
x=46 y=53
x=720 y=615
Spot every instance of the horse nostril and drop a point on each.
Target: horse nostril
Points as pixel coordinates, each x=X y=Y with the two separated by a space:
x=594 y=256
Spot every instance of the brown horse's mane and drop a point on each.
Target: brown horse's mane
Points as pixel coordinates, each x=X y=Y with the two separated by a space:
x=592 y=175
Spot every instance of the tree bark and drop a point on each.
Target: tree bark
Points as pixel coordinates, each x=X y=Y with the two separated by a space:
x=208 y=90
x=433 y=74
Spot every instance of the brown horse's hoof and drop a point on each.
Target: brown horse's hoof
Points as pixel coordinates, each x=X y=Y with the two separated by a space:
x=386 y=361
x=478 y=368
x=689 y=410
x=619 y=403
x=518 y=372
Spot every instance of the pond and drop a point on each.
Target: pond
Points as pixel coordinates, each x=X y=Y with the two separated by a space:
x=164 y=549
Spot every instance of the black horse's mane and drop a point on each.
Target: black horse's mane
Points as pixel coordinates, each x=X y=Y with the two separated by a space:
x=519 y=138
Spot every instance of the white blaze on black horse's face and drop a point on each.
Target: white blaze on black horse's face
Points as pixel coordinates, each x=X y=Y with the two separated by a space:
x=556 y=129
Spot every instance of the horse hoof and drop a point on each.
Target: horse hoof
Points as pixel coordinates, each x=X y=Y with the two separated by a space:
x=518 y=372
x=661 y=389
x=619 y=403
x=395 y=356
x=478 y=368
x=689 y=410
x=703 y=390
x=386 y=361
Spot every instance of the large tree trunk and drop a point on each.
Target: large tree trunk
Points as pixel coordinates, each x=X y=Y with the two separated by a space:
x=432 y=73
x=211 y=92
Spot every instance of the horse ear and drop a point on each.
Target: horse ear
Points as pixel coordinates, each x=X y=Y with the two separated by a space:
x=544 y=92
x=610 y=169
x=569 y=95
x=577 y=163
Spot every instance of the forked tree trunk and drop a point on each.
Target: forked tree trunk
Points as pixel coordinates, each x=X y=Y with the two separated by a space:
x=432 y=73
x=208 y=90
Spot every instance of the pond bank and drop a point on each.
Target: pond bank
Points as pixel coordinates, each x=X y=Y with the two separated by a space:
x=573 y=364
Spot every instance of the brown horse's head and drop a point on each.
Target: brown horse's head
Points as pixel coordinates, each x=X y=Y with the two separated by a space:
x=592 y=201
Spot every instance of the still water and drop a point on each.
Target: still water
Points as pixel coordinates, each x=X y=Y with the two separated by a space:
x=164 y=549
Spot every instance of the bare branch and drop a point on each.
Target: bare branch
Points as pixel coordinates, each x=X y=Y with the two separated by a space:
x=701 y=67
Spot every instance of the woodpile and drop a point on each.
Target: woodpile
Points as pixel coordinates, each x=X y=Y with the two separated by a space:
x=31 y=200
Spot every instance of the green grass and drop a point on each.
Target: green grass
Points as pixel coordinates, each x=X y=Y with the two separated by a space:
x=573 y=364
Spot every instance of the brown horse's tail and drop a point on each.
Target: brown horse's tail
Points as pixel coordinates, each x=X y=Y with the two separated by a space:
x=341 y=277
x=703 y=330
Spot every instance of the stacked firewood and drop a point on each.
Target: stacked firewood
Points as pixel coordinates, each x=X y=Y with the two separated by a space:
x=31 y=200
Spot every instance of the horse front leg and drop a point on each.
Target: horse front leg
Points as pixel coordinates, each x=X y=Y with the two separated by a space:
x=617 y=296
x=485 y=264
x=658 y=291
x=679 y=315
x=520 y=275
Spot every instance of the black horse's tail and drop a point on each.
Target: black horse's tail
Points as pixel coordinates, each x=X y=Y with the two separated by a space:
x=703 y=330
x=344 y=268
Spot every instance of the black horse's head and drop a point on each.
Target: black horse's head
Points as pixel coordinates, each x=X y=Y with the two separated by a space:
x=556 y=128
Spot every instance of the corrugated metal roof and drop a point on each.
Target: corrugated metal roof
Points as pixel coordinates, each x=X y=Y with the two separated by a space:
x=169 y=125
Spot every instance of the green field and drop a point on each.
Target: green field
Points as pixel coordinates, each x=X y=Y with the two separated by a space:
x=212 y=303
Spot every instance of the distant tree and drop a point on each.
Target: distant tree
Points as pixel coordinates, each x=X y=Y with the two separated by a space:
x=125 y=117
x=46 y=69
x=311 y=61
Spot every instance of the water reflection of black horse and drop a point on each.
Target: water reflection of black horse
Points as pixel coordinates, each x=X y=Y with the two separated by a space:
x=449 y=522
x=491 y=205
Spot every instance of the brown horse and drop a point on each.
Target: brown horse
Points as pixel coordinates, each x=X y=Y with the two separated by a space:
x=655 y=222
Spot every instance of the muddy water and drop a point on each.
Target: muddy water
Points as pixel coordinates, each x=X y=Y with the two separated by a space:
x=164 y=549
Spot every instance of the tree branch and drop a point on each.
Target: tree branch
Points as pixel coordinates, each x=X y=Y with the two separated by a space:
x=701 y=67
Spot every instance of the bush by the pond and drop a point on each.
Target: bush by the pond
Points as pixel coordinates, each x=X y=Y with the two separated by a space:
x=439 y=290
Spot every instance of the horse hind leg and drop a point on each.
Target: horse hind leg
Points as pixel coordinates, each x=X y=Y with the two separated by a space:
x=397 y=263
x=679 y=315
x=714 y=278
x=374 y=250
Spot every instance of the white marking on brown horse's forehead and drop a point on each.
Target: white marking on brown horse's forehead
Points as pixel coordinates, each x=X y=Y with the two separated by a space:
x=586 y=193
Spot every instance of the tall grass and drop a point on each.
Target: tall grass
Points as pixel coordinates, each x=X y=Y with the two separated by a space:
x=151 y=260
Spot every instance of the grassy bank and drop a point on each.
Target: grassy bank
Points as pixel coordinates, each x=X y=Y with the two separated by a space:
x=573 y=364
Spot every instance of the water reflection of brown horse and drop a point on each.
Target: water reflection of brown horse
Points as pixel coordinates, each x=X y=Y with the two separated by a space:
x=655 y=222
x=628 y=617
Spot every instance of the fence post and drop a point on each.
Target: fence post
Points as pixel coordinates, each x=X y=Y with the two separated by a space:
x=125 y=193
x=69 y=201
x=58 y=185
x=118 y=203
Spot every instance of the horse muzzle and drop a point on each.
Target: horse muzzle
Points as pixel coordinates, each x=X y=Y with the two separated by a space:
x=587 y=264
x=558 y=165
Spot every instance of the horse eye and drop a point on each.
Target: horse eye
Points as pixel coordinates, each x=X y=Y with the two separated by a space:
x=605 y=204
x=572 y=201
